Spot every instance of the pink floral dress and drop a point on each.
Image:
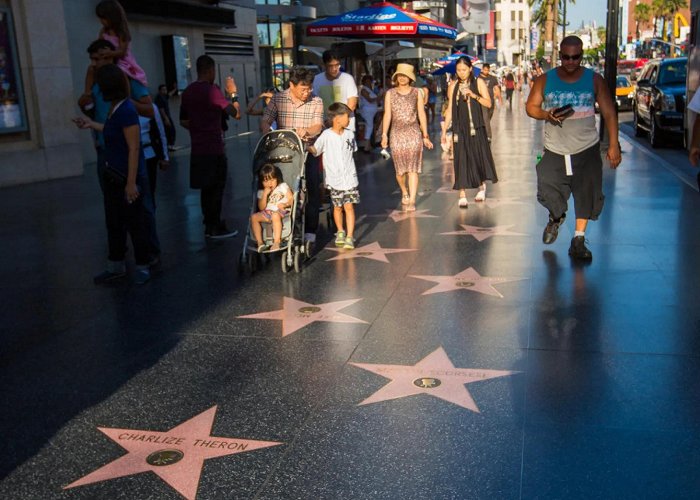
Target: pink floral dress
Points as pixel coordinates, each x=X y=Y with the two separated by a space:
x=128 y=63
x=405 y=139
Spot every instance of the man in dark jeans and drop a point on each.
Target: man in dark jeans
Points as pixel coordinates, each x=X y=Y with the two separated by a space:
x=161 y=101
x=200 y=112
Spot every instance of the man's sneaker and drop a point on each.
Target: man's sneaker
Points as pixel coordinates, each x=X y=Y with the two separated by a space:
x=349 y=243
x=220 y=232
x=340 y=239
x=551 y=231
x=142 y=275
x=578 y=249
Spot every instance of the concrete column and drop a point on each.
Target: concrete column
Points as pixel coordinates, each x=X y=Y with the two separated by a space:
x=50 y=149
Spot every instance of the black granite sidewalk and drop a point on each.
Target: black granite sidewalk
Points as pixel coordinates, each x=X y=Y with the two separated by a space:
x=451 y=355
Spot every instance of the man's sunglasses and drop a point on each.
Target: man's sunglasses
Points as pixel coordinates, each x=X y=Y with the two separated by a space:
x=575 y=57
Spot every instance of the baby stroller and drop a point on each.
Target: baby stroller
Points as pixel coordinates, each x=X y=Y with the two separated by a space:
x=284 y=149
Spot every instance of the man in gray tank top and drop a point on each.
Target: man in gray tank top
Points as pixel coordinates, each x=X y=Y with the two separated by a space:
x=564 y=98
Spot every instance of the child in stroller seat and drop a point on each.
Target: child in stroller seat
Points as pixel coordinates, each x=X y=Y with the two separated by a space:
x=274 y=200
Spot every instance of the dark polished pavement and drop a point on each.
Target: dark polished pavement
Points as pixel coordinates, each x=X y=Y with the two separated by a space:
x=474 y=364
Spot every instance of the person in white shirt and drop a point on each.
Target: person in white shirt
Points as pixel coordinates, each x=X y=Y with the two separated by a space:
x=369 y=105
x=334 y=86
x=337 y=144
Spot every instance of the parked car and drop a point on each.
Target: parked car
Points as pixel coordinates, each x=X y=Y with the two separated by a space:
x=659 y=100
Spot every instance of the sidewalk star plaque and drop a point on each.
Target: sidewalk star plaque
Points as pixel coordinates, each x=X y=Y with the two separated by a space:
x=468 y=279
x=176 y=456
x=434 y=375
x=373 y=251
x=296 y=314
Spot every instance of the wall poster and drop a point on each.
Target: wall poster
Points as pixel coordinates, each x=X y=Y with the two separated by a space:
x=12 y=112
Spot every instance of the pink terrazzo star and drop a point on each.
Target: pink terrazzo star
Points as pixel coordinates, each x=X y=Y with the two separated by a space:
x=296 y=314
x=399 y=215
x=468 y=279
x=373 y=251
x=434 y=375
x=176 y=456
x=482 y=233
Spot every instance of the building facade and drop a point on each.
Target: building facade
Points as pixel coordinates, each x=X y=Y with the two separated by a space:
x=44 y=71
x=512 y=31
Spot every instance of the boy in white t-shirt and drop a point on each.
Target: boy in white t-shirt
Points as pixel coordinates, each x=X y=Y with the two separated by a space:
x=337 y=144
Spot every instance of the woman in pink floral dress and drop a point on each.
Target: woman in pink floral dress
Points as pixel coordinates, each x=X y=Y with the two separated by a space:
x=405 y=114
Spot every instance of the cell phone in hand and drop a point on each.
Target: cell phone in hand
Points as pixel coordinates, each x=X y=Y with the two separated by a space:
x=564 y=111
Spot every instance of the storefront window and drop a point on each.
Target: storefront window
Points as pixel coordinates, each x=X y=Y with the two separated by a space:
x=12 y=114
x=263 y=34
x=288 y=35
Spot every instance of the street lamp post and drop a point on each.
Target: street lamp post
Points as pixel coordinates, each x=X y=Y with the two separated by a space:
x=610 y=53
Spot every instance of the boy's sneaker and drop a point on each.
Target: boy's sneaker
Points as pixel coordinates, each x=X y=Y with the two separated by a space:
x=340 y=239
x=349 y=243
x=219 y=231
x=551 y=231
x=578 y=249
x=142 y=275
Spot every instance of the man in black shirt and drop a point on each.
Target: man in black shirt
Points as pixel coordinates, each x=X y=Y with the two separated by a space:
x=161 y=102
x=494 y=91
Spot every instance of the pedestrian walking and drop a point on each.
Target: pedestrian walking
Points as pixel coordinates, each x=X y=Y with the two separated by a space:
x=494 y=93
x=201 y=113
x=155 y=153
x=163 y=106
x=565 y=99
x=369 y=105
x=298 y=109
x=473 y=161
x=335 y=86
x=125 y=181
x=510 y=88
x=337 y=144
x=404 y=113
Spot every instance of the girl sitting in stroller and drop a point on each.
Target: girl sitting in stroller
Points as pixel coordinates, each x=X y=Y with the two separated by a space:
x=274 y=199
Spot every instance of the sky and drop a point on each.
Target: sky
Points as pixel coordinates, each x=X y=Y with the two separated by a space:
x=586 y=10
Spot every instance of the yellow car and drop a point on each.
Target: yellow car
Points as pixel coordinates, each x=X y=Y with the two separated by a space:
x=624 y=93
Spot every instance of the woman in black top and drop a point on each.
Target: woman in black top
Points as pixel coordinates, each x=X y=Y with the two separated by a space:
x=473 y=162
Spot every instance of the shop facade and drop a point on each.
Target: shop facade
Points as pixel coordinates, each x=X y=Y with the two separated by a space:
x=42 y=71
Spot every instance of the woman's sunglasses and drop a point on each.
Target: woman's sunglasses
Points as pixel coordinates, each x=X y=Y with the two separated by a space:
x=574 y=57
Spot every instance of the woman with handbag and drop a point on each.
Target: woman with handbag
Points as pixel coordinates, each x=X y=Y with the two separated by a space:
x=126 y=193
x=404 y=113
x=473 y=161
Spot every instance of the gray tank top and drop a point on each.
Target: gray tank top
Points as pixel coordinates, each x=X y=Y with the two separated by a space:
x=578 y=132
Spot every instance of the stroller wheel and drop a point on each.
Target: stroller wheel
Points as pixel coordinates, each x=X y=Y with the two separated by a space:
x=297 y=260
x=285 y=264
x=253 y=262
x=308 y=248
x=242 y=262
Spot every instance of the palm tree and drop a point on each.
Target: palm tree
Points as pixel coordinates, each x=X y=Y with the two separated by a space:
x=547 y=16
x=658 y=10
x=642 y=15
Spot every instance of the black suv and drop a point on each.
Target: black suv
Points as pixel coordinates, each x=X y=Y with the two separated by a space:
x=659 y=101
